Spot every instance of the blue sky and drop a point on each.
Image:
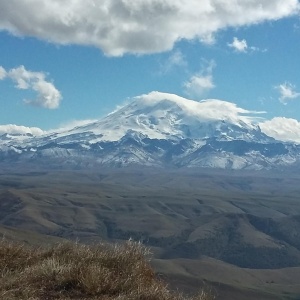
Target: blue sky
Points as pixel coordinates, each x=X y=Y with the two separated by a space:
x=62 y=63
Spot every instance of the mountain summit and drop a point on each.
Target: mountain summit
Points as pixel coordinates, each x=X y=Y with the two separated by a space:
x=159 y=129
x=168 y=116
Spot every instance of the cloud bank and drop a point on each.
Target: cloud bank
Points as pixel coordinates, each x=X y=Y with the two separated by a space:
x=284 y=129
x=47 y=94
x=205 y=110
x=20 y=130
x=132 y=26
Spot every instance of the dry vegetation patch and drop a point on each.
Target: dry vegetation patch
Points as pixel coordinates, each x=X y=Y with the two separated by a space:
x=77 y=271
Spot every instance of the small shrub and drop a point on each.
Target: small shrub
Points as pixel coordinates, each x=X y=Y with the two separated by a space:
x=77 y=271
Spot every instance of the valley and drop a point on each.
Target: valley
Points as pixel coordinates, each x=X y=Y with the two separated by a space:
x=235 y=231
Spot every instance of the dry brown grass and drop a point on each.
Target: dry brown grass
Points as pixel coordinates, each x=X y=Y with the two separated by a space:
x=77 y=271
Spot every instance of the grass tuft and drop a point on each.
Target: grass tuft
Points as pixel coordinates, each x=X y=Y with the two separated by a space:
x=77 y=271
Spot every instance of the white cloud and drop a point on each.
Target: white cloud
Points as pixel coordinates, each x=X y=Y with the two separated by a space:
x=281 y=128
x=132 y=26
x=2 y=73
x=208 y=39
x=47 y=94
x=210 y=109
x=200 y=83
x=238 y=45
x=15 y=129
x=73 y=124
x=287 y=92
x=243 y=47
x=176 y=59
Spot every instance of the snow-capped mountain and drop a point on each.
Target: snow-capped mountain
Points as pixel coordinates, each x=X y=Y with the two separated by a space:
x=166 y=116
x=158 y=129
